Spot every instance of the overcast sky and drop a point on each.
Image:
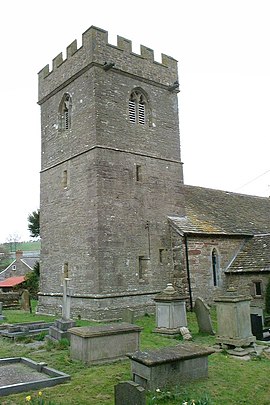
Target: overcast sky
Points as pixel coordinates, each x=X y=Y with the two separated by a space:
x=224 y=71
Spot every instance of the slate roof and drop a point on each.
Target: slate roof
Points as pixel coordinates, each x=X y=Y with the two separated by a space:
x=210 y=211
x=254 y=256
x=30 y=261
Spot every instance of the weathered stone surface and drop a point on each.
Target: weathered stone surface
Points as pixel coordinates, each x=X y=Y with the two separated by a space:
x=25 y=301
x=170 y=311
x=233 y=320
x=129 y=393
x=103 y=343
x=98 y=215
x=18 y=374
x=185 y=333
x=170 y=365
x=128 y=315
x=2 y=317
x=60 y=329
x=202 y=312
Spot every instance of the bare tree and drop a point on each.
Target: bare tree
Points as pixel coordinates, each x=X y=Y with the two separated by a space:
x=13 y=240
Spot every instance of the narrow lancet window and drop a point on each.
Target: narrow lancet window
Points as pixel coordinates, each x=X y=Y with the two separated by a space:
x=138 y=173
x=65 y=179
x=215 y=267
x=65 y=113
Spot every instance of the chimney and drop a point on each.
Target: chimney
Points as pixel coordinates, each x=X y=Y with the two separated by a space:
x=19 y=254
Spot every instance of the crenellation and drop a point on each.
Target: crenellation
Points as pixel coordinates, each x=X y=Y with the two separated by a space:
x=95 y=51
x=57 y=61
x=93 y=36
x=147 y=53
x=168 y=61
x=72 y=48
x=124 y=44
x=44 y=72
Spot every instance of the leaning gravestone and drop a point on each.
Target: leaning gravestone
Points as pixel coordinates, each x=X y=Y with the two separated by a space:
x=129 y=393
x=202 y=312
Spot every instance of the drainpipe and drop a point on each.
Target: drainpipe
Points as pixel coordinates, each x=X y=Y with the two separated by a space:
x=147 y=226
x=188 y=273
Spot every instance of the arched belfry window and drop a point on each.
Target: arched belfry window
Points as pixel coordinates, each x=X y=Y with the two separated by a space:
x=215 y=267
x=137 y=107
x=65 y=113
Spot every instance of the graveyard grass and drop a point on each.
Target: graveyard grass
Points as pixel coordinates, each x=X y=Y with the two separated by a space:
x=230 y=382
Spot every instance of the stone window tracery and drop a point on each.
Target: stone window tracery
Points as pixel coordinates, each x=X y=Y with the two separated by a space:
x=137 y=107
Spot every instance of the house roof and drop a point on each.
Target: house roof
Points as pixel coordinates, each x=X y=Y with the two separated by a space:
x=12 y=281
x=254 y=256
x=211 y=211
x=30 y=261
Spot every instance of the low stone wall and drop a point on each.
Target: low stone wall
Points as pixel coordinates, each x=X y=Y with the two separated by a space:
x=93 y=308
x=10 y=299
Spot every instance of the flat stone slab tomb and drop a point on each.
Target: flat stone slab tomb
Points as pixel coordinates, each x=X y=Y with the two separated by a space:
x=103 y=343
x=168 y=366
x=19 y=374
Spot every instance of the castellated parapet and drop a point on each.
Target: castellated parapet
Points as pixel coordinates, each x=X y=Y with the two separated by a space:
x=96 y=50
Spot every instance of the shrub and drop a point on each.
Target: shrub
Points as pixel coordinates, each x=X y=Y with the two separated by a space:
x=32 y=281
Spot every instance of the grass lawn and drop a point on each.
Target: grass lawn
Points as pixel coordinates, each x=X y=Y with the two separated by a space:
x=230 y=381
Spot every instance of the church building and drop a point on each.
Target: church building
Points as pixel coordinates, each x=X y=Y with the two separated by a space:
x=116 y=218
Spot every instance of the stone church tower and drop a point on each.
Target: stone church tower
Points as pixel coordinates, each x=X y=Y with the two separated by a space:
x=110 y=175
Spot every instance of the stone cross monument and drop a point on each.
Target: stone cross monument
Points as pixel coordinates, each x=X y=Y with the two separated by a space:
x=60 y=328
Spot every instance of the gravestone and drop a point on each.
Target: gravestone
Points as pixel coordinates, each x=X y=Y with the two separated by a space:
x=256 y=326
x=60 y=328
x=129 y=393
x=25 y=301
x=2 y=317
x=233 y=320
x=202 y=312
x=128 y=315
x=170 y=311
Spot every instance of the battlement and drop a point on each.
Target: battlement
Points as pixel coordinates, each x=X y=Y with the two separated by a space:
x=96 y=50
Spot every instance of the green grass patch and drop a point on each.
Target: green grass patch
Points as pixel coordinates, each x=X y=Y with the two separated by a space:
x=230 y=382
x=25 y=246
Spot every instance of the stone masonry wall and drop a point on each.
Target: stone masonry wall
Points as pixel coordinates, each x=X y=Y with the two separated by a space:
x=99 y=221
x=200 y=264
